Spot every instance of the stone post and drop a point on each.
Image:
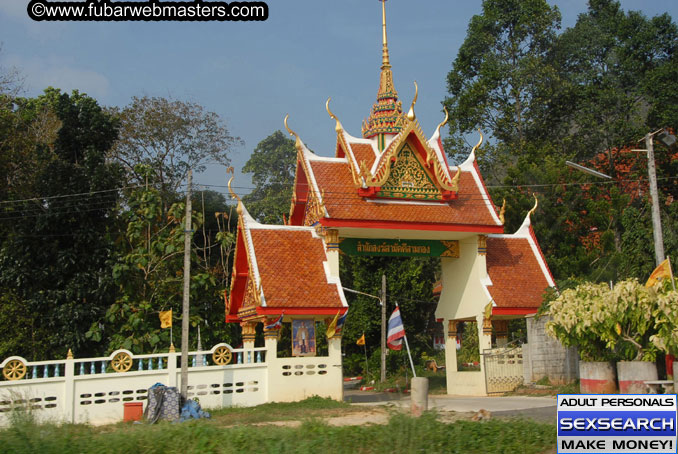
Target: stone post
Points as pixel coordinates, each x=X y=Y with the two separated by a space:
x=419 y=396
x=69 y=395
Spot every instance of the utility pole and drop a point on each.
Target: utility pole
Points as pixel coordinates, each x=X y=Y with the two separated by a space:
x=187 y=285
x=383 y=328
x=654 y=193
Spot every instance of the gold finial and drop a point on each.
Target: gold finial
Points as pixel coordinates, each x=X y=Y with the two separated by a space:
x=410 y=114
x=338 y=127
x=385 y=63
x=447 y=117
x=230 y=189
x=172 y=349
x=502 y=212
x=480 y=142
x=536 y=204
x=297 y=143
x=69 y=355
x=455 y=180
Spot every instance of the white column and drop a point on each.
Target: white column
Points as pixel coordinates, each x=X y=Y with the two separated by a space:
x=334 y=352
x=69 y=389
x=172 y=369
x=332 y=251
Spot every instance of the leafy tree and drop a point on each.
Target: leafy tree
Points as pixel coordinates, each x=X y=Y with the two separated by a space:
x=611 y=61
x=56 y=248
x=600 y=86
x=409 y=283
x=273 y=164
x=494 y=82
x=170 y=136
x=149 y=276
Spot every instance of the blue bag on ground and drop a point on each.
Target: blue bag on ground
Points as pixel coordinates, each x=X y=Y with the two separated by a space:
x=192 y=410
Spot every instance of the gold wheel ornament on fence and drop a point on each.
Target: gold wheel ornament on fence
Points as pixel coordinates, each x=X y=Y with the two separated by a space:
x=14 y=370
x=222 y=356
x=121 y=362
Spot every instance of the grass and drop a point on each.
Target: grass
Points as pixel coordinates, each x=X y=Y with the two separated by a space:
x=402 y=434
x=313 y=407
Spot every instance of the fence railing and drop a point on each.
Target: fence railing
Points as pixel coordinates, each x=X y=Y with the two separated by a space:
x=95 y=389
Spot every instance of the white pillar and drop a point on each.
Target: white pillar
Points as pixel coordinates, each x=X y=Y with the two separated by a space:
x=334 y=353
x=332 y=251
x=69 y=391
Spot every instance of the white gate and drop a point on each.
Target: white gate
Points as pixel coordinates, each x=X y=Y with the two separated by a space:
x=503 y=368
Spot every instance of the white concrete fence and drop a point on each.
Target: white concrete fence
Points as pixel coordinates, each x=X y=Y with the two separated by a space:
x=89 y=390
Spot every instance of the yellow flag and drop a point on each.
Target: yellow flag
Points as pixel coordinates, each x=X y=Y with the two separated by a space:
x=662 y=271
x=165 y=319
x=332 y=327
x=361 y=341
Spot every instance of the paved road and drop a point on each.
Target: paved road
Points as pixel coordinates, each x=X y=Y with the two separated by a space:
x=541 y=409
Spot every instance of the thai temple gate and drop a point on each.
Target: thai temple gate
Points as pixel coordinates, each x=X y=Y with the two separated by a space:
x=390 y=192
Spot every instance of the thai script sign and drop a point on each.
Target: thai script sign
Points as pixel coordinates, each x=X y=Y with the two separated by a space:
x=400 y=248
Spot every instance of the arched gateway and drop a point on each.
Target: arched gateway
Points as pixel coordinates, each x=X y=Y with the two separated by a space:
x=389 y=192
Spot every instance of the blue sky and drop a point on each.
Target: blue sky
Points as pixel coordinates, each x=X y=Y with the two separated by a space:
x=253 y=73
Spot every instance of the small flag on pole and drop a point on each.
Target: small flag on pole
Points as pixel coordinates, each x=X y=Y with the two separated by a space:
x=661 y=272
x=276 y=324
x=396 y=331
x=165 y=319
x=336 y=325
x=361 y=341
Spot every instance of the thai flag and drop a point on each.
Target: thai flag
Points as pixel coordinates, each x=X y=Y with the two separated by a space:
x=276 y=324
x=340 y=322
x=396 y=330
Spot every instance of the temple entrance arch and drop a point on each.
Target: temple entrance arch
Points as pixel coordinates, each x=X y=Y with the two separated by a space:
x=389 y=192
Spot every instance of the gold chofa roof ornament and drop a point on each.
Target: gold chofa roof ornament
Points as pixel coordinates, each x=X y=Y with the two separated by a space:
x=386 y=116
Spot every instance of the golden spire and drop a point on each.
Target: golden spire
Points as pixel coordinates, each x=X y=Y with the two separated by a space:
x=386 y=116
x=385 y=63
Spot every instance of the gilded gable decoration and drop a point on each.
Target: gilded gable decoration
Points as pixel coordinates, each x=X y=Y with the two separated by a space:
x=445 y=186
x=252 y=295
x=408 y=179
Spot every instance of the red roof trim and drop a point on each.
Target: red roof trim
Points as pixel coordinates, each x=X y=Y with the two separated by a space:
x=514 y=310
x=395 y=225
x=301 y=311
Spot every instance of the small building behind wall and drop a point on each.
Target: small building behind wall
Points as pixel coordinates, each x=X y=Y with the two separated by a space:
x=283 y=271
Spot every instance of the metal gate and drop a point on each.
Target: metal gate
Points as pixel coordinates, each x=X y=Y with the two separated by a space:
x=503 y=368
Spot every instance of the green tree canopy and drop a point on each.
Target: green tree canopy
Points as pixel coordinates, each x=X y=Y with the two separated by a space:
x=495 y=79
x=272 y=164
x=57 y=247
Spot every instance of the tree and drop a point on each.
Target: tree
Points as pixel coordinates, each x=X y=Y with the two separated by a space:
x=56 y=247
x=617 y=72
x=273 y=164
x=148 y=276
x=409 y=283
x=597 y=88
x=171 y=137
x=494 y=81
